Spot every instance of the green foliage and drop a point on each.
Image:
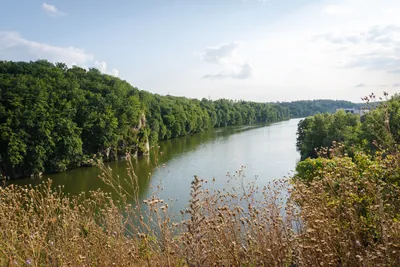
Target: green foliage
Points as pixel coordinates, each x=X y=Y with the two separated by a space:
x=382 y=126
x=53 y=118
x=171 y=116
x=378 y=129
x=322 y=130
x=305 y=108
x=309 y=169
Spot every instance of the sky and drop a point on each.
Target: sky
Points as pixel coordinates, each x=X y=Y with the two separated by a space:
x=256 y=50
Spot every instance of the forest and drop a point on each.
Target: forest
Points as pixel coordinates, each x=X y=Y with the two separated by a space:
x=354 y=132
x=305 y=108
x=53 y=118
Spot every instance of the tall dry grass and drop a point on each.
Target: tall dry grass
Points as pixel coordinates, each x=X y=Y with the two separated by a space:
x=347 y=215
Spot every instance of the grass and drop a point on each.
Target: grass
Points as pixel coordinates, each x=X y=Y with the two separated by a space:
x=347 y=215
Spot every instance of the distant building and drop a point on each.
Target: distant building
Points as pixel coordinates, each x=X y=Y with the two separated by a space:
x=359 y=111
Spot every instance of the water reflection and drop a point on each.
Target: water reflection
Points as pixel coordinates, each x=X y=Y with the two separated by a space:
x=267 y=152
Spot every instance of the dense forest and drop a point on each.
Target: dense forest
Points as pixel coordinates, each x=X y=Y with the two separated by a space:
x=378 y=126
x=170 y=116
x=53 y=118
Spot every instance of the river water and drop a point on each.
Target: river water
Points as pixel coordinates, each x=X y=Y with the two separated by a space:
x=263 y=152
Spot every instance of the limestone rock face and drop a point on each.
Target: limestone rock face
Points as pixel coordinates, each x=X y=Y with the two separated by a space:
x=142 y=121
x=144 y=145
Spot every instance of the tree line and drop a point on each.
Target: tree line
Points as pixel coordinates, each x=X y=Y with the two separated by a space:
x=305 y=108
x=53 y=117
x=377 y=129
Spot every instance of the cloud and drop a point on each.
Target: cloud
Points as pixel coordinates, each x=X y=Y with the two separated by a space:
x=244 y=71
x=375 y=61
x=226 y=56
x=115 y=72
x=360 y=85
x=217 y=76
x=14 y=47
x=382 y=35
x=337 y=10
x=101 y=66
x=52 y=10
x=329 y=37
x=396 y=85
x=218 y=54
x=376 y=48
x=378 y=34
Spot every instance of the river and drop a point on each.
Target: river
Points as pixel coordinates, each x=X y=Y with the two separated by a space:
x=265 y=153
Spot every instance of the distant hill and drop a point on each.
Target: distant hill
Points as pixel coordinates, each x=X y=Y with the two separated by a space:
x=305 y=108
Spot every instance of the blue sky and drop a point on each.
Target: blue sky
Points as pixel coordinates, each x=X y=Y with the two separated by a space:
x=274 y=50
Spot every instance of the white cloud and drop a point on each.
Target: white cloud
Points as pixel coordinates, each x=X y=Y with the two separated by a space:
x=101 y=66
x=385 y=35
x=360 y=85
x=14 y=47
x=338 y=39
x=115 y=72
x=244 y=71
x=312 y=54
x=226 y=56
x=218 y=54
x=52 y=10
x=337 y=10
x=375 y=48
x=377 y=34
x=220 y=75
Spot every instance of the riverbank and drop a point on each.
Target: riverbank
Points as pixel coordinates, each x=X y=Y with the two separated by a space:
x=54 y=124
x=267 y=152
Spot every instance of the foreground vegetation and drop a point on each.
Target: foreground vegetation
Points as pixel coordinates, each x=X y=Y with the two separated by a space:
x=348 y=214
x=338 y=210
